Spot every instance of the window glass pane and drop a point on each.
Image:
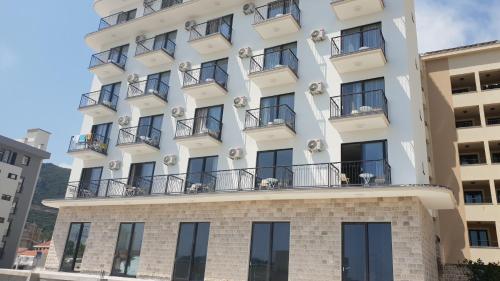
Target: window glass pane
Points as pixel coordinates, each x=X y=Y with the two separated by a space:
x=135 y=249
x=184 y=249
x=260 y=255
x=200 y=252
x=81 y=246
x=280 y=252
x=122 y=247
x=354 y=253
x=380 y=252
x=70 y=248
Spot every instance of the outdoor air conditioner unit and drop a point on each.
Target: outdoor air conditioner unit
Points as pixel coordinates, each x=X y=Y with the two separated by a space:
x=189 y=25
x=316 y=88
x=315 y=145
x=248 y=8
x=124 y=120
x=236 y=153
x=170 y=160
x=133 y=78
x=178 y=111
x=114 y=165
x=240 y=102
x=318 y=35
x=140 y=38
x=184 y=66
x=245 y=52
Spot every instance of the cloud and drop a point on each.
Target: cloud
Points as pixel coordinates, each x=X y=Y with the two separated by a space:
x=7 y=58
x=450 y=23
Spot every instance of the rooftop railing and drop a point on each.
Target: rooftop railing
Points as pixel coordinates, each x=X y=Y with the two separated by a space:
x=270 y=116
x=148 y=87
x=154 y=44
x=357 y=104
x=108 y=57
x=204 y=75
x=102 y=97
x=357 y=42
x=277 y=9
x=140 y=134
x=274 y=59
x=199 y=126
x=92 y=142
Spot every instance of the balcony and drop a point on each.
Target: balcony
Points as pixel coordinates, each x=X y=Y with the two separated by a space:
x=115 y=19
x=276 y=19
x=349 y=9
x=105 y=7
x=88 y=147
x=98 y=104
x=274 y=69
x=107 y=64
x=270 y=123
x=358 y=51
x=152 y=53
x=293 y=182
x=146 y=94
x=205 y=82
x=139 y=140
x=199 y=132
x=359 y=111
x=211 y=37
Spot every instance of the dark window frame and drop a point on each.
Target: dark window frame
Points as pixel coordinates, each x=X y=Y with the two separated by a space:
x=193 y=248
x=477 y=231
x=6 y=197
x=79 y=240
x=129 y=249
x=26 y=160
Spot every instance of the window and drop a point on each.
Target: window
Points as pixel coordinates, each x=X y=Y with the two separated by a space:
x=128 y=249
x=361 y=38
x=365 y=163
x=90 y=181
x=75 y=247
x=149 y=129
x=362 y=96
x=12 y=176
x=464 y=123
x=285 y=54
x=158 y=83
x=118 y=55
x=126 y=16
x=214 y=70
x=220 y=25
x=274 y=169
x=191 y=253
x=473 y=196
x=6 y=197
x=109 y=94
x=165 y=41
x=495 y=157
x=141 y=177
x=200 y=172
x=479 y=238
x=366 y=252
x=269 y=251
x=100 y=135
x=25 y=160
x=469 y=159
x=8 y=156
x=20 y=185
x=208 y=120
x=276 y=107
x=2 y=219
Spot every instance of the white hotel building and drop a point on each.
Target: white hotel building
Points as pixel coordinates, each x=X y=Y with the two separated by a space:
x=225 y=141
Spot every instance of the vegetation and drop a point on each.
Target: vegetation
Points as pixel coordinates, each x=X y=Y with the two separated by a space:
x=479 y=271
x=51 y=184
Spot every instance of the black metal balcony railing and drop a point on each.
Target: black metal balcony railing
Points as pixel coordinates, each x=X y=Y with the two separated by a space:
x=276 y=9
x=365 y=172
x=490 y=86
x=368 y=102
x=273 y=60
x=206 y=74
x=151 y=6
x=148 y=87
x=102 y=97
x=108 y=57
x=358 y=42
x=152 y=44
x=199 y=126
x=270 y=116
x=116 y=19
x=217 y=26
x=140 y=134
x=93 y=142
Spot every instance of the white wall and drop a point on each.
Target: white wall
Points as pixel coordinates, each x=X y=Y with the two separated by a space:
x=405 y=135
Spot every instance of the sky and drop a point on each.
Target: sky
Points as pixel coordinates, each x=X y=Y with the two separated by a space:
x=44 y=60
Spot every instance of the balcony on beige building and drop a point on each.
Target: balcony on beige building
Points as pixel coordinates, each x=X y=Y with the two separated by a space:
x=467 y=117
x=490 y=80
x=463 y=83
x=472 y=153
x=494 y=151
x=492 y=114
x=483 y=240
x=477 y=192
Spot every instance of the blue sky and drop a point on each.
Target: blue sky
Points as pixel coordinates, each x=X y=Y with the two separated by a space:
x=43 y=59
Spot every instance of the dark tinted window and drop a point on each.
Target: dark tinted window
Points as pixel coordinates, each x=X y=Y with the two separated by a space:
x=191 y=253
x=75 y=247
x=479 y=238
x=472 y=197
x=128 y=249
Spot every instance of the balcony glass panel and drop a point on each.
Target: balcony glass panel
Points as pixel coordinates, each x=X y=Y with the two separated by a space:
x=165 y=42
x=116 y=56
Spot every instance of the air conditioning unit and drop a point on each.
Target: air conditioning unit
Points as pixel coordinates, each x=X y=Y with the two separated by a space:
x=178 y=111
x=140 y=38
x=318 y=35
x=315 y=145
x=240 y=102
x=248 y=8
x=170 y=160
x=133 y=78
x=184 y=66
x=124 y=120
x=189 y=25
x=114 y=165
x=245 y=52
x=316 y=88
x=236 y=153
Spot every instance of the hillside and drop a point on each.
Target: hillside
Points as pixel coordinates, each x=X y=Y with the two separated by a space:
x=51 y=185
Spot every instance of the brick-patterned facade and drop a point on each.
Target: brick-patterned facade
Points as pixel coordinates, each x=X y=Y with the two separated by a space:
x=315 y=242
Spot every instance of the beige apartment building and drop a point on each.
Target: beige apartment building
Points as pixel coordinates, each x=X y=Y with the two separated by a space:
x=462 y=100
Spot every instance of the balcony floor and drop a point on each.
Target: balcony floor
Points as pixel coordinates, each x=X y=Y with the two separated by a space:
x=146 y=101
x=155 y=58
x=87 y=154
x=349 y=9
x=137 y=148
x=106 y=70
x=205 y=90
x=360 y=122
x=97 y=110
x=281 y=75
x=359 y=61
x=210 y=44
x=270 y=133
x=199 y=141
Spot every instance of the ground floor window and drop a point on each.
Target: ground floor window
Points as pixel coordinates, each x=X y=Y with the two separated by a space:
x=75 y=247
x=269 y=251
x=128 y=249
x=191 y=253
x=367 y=252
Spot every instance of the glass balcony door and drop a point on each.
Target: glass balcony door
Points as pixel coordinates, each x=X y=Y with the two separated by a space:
x=272 y=108
x=358 y=38
x=274 y=168
x=280 y=55
x=156 y=81
x=141 y=177
x=90 y=180
x=214 y=71
x=117 y=54
x=200 y=171
x=149 y=128
x=364 y=162
x=162 y=41
x=109 y=93
x=222 y=25
x=207 y=120
x=362 y=93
